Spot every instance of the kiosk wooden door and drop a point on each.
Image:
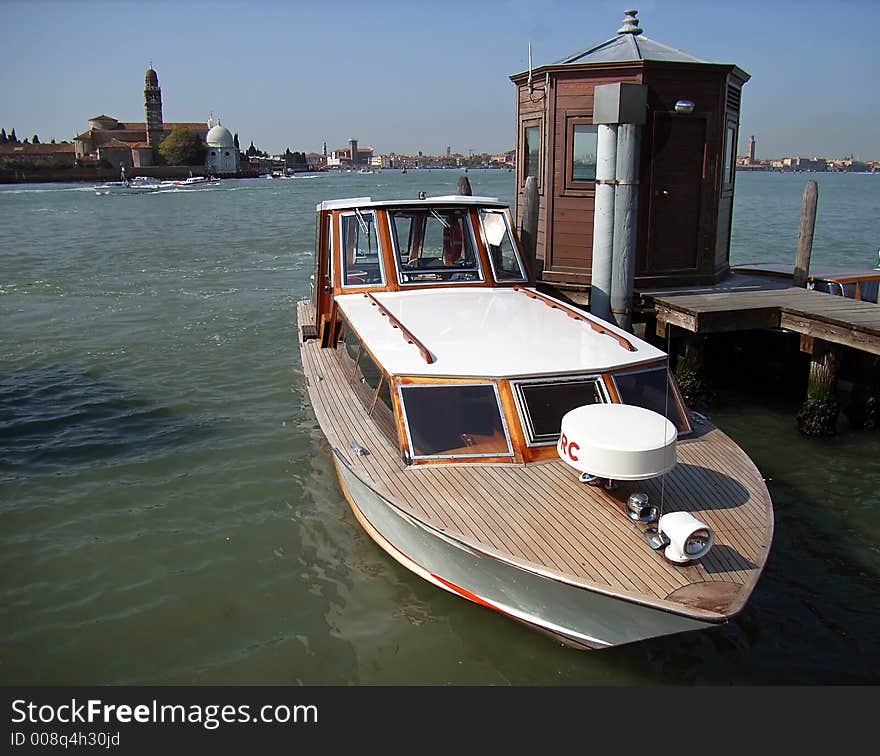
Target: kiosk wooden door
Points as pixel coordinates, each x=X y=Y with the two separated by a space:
x=677 y=177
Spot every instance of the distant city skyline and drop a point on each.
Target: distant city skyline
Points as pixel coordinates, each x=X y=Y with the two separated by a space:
x=412 y=78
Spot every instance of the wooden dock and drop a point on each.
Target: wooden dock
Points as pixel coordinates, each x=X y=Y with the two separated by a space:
x=746 y=302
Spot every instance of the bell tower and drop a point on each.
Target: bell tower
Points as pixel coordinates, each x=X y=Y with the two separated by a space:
x=153 y=107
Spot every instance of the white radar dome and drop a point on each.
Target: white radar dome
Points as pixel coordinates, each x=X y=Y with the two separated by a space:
x=617 y=441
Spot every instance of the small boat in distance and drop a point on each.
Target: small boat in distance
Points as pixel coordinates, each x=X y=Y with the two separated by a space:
x=134 y=185
x=194 y=182
x=146 y=185
x=512 y=449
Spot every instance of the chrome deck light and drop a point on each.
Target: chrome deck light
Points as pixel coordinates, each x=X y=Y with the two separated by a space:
x=639 y=509
x=689 y=538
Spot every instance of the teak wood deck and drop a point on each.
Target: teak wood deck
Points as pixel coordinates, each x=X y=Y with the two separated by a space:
x=744 y=302
x=540 y=517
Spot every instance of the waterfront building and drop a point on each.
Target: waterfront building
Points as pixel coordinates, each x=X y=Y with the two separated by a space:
x=222 y=156
x=317 y=161
x=48 y=154
x=349 y=157
x=133 y=144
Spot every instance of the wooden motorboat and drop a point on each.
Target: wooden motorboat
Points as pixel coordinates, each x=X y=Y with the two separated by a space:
x=513 y=449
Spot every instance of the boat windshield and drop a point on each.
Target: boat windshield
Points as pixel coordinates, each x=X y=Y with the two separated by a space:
x=653 y=390
x=454 y=420
x=503 y=253
x=434 y=245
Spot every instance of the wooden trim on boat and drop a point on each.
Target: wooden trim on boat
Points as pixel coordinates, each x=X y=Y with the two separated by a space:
x=575 y=315
x=408 y=336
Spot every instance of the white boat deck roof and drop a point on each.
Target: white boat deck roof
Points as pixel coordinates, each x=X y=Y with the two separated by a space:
x=483 y=332
x=369 y=202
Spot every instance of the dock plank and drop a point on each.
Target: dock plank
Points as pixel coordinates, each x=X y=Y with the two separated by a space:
x=849 y=322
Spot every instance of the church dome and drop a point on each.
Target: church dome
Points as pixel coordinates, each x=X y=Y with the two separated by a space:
x=151 y=79
x=220 y=136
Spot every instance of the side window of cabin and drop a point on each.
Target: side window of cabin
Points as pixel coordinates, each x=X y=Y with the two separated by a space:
x=370 y=384
x=383 y=413
x=328 y=259
x=503 y=253
x=367 y=377
x=361 y=254
x=349 y=351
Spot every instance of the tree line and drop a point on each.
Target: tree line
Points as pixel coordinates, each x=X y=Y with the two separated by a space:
x=11 y=138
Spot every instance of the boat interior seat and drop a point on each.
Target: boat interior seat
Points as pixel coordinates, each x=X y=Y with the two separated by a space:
x=364 y=275
x=473 y=443
x=425 y=262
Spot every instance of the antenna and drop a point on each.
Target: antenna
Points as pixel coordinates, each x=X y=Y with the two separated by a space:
x=530 y=68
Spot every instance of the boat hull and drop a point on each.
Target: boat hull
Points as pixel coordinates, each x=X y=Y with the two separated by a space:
x=576 y=615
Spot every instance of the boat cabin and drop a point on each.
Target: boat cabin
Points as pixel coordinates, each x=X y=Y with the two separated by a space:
x=432 y=314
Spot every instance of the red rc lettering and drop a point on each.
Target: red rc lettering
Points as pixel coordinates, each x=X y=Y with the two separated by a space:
x=569 y=447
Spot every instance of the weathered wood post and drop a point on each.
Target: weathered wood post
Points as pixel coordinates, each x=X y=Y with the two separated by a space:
x=818 y=414
x=528 y=232
x=689 y=373
x=805 y=235
x=464 y=186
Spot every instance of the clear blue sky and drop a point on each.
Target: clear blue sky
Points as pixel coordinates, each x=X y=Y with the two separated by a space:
x=415 y=75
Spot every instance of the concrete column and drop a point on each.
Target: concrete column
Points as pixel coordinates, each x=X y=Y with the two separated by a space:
x=625 y=221
x=603 y=222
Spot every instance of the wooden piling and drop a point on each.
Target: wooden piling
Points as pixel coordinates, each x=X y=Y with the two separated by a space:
x=689 y=371
x=805 y=235
x=464 y=186
x=818 y=414
x=528 y=232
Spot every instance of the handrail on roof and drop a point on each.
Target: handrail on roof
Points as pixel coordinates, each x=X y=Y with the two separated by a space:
x=407 y=334
x=575 y=315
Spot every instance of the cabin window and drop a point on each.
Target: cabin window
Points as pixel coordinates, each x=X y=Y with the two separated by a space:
x=532 y=151
x=581 y=152
x=351 y=350
x=367 y=377
x=435 y=245
x=543 y=403
x=729 y=152
x=328 y=257
x=454 y=420
x=361 y=254
x=653 y=390
x=383 y=412
x=585 y=140
x=370 y=383
x=503 y=253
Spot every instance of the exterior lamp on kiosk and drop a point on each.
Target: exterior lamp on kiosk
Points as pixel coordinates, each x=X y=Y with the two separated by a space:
x=684 y=106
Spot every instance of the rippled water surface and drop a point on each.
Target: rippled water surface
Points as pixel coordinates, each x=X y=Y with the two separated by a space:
x=169 y=512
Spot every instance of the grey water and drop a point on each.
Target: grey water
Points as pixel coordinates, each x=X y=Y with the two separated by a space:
x=169 y=512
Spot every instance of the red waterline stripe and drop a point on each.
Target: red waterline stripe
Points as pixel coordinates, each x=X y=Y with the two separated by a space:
x=467 y=594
